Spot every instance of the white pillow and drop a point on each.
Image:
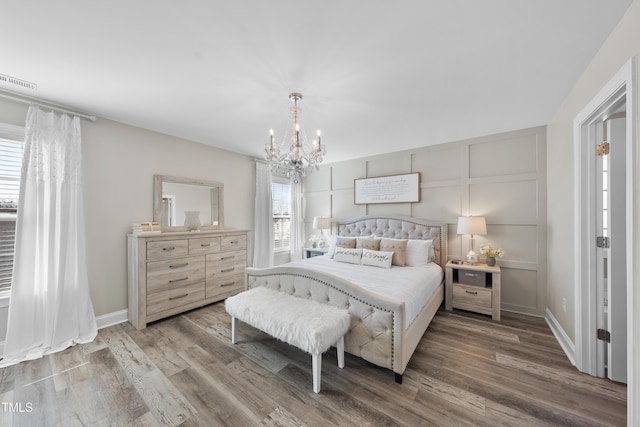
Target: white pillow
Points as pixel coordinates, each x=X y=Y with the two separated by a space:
x=348 y=255
x=377 y=258
x=420 y=253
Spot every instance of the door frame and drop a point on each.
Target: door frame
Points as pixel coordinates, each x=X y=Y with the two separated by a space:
x=623 y=84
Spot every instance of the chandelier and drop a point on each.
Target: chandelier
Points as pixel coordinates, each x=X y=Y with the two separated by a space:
x=302 y=157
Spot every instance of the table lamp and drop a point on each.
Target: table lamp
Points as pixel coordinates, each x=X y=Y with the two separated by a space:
x=321 y=223
x=472 y=225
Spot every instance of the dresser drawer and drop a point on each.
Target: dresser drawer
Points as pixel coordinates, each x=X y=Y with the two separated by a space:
x=176 y=272
x=167 y=249
x=204 y=245
x=471 y=295
x=222 y=285
x=225 y=264
x=471 y=277
x=227 y=258
x=172 y=298
x=233 y=243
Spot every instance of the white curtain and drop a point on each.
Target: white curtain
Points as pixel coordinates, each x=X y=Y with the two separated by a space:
x=50 y=308
x=297 y=230
x=263 y=218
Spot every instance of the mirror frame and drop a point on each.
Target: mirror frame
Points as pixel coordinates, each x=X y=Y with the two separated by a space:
x=158 y=180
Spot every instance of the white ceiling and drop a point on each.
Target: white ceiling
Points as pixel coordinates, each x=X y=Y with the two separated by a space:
x=377 y=75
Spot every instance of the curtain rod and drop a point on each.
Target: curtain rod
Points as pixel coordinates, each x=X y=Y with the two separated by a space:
x=31 y=100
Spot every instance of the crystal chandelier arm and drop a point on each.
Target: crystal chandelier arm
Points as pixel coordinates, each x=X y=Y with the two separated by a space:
x=301 y=156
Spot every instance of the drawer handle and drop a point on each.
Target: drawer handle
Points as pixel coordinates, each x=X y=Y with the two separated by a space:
x=234 y=242
x=178 y=297
x=227 y=270
x=167 y=249
x=205 y=245
x=471 y=292
x=471 y=275
x=179 y=280
x=227 y=257
x=227 y=284
x=179 y=265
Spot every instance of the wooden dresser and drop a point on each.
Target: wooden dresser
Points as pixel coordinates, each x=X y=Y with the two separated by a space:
x=177 y=271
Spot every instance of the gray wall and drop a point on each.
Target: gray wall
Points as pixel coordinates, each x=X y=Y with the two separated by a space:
x=622 y=44
x=119 y=162
x=501 y=177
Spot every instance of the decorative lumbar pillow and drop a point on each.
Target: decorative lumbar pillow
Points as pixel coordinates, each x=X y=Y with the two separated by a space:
x=345 y=242
x=348 y=255
x=340 y=242
x=368 y=243
x=420 y=253
x=377 y=258
x=399 y=249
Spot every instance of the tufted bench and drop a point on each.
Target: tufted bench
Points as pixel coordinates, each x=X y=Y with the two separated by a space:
x=309 y=325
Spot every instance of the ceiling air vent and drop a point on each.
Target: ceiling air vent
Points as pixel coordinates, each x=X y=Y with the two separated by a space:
x=14 y=81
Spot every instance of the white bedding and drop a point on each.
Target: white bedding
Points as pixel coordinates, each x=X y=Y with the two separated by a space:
x=413 y=285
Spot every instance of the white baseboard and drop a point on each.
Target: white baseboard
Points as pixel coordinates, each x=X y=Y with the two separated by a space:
x=563 y=339
x=103 y=321
x=111 y=319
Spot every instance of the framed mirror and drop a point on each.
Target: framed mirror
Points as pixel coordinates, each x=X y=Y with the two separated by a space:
x=183 y=204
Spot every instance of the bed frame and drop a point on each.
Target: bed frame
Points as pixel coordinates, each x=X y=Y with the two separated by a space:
x=378 y=332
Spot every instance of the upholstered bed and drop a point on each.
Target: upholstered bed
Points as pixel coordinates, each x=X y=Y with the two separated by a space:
x=380 y=331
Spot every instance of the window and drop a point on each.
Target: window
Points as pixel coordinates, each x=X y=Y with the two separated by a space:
x=280 y=194
x=10 y=165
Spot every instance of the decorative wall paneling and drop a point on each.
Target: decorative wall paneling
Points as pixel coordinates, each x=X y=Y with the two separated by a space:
x=502 y=177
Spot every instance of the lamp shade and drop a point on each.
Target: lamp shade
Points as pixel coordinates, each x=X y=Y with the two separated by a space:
x=472 y=225
x=321 y=223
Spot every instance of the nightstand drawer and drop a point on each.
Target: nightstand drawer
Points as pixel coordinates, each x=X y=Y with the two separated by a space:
x=471 y=277
x=471 y=295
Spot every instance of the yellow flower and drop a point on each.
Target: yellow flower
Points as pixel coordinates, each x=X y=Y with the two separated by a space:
x=489 y=252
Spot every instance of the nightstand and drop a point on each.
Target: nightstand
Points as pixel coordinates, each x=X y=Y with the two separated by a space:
x=311 y=252
x=473 y=287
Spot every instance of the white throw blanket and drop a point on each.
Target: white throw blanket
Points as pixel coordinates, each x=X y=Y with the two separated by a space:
x=412 y=285
x=306 y=324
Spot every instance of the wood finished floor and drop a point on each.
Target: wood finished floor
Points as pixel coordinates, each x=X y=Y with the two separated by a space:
x=467 y=371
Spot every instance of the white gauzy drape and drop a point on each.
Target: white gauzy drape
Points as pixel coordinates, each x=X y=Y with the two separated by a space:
x=297 y=231
x=263 y=218
x=50 y=308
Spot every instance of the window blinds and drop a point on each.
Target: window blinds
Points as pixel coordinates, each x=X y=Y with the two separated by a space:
x=10 y=165
x=280 y=193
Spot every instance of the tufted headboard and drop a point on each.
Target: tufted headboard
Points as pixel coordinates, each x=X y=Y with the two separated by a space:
x=398 y=227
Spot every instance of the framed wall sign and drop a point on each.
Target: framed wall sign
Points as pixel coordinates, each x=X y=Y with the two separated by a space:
x=387 y=189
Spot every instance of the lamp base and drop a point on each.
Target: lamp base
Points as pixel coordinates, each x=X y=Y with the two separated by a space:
x=472 y=257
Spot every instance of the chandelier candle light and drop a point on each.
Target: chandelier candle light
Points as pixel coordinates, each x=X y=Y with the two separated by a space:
x=301 y=157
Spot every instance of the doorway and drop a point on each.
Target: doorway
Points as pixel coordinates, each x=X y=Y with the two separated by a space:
x=592 y=308
x=611 y=233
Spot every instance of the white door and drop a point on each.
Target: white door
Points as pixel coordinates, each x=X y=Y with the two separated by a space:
x=611 y=253
x=617 y=264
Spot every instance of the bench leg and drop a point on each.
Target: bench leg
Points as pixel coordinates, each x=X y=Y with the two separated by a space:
x=234 y=329
x=316 y=361
x=340 y=351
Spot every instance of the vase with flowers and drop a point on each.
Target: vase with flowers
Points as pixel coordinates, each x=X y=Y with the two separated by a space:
x=314 y=240
x=491 y=254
